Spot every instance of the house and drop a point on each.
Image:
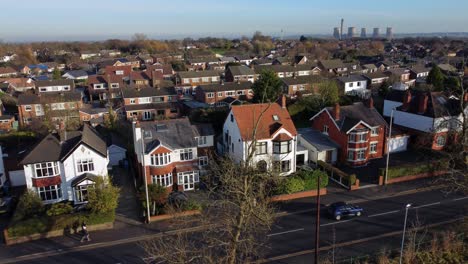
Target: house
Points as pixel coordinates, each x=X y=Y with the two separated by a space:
x=263 y=61
x=245 y=59
x=275 y=136
x=150 y=103
x=301 y=85
x=358 y=129
x=123 y=71
x=54 y=86
x=93 y=115
x=19 y=84
x=320 y=146
x=333 y=66
x=55 y=107
x=376 y=78
x=172 y=153
x=369 y=68
x=300 y=59
x=281 y=61
x=284 y=71
x=89 y=54
x=218 y=94
x=189 y=79
x=401 y=75
x=432 y=117
x=419 y=73
x=354 y=84
x=166 y=70
x=102 y=87
x=76 y=75
x=7 y=72
x=145 y=59
x=387 y=65
x=110 y=53
x=6 y=123
x=63 y=168
x=240 y=73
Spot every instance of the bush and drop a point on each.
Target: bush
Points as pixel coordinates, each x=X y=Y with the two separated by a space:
x=29 y=205
x=59 y=209
x=103 y=196
x=350 y=179
x=191 y=205
x=294 y=185
x=310 y=179
x=401 y=171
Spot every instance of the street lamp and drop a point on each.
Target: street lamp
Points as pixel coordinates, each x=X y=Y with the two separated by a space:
x=404 y=231
x=317 y=221
x=388 y=146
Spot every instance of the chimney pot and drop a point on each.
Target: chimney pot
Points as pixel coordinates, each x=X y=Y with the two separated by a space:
x=283 y=101
x=370 y=103
x=423 y=104
x=406 y=99
x=336 y=111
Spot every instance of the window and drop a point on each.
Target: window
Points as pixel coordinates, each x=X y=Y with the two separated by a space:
x=282 y=166
x=373 y=147
x=195 y=80
x=164 y=180
x=357 y=138
x=188 y=179
x=350 y=155
x=281 y=147
x=230 y=93
x=325 y=130
x=294 y=87
x=201 y=140
x=203 y=161
x=210 y=95
x=46 y=169
x=50 y=193
x=43 y=89
x=160 y=159
x=205 y=79
x=362 y=137
x=240 y=92
x=361 y=154
x=145 y=100
x=260 y=148
x=186 y=154
x=58 y=106
x=375 y=131
x=220 y=94
x=358 y=83
x=214 y=79
x=186 y=81
x=119 y=72
x=27 y=108
x=114 y=85
x=440 y=141
x=85 y=165
x=132 y=101
x=275 y=118
x=351 y=84
x=232 y=118
x=81 y=193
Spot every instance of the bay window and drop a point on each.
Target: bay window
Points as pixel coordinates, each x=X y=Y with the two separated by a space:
x=50 y=193
x=46 y=169
x=281 y=147
x=161 y=159
x=164 y=180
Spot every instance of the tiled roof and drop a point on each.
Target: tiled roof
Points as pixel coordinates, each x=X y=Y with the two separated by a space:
x=270 y=117
x=241 y=70
x=228 y=86
x=350 y=115
x=198 y=74
x=55 y=82
x=332 y=64
x=148 y=92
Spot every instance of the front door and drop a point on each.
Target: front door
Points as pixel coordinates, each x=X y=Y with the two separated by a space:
x=328 y=156
x=188 y=180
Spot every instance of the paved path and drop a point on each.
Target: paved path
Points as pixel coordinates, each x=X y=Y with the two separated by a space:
x=128 y=209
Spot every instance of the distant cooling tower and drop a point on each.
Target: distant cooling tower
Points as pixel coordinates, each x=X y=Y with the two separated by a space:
x=363 y=33
x=376 y=33
x=351 y=32
x=389 y=33
x=341 y=29
x=336 y=33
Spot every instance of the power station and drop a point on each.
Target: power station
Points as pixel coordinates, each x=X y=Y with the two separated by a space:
x=352 y=32
x=376 y=33
x=363 y=33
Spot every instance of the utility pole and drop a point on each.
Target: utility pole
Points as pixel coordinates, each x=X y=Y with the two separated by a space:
x=148 y=216
x=404 y=231
x=317 y=223
x=388 y=146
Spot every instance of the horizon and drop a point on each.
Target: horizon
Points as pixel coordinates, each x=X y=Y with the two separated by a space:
x=101 y=20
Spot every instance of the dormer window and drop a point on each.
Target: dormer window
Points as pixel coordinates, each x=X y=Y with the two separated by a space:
x=325 y=130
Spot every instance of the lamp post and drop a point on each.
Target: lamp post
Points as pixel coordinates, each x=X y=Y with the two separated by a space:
x=404 y=231
x=148 y=217
x=317 y=222
x=388 y=146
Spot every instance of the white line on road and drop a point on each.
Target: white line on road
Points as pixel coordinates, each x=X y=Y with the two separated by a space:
x=391 y=212
x=338 y=222
x=426 y=205
x=285 y=232
x=462 y=198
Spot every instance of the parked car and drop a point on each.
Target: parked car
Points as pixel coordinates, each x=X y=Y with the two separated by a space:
x=341 y=209
x=6 y=205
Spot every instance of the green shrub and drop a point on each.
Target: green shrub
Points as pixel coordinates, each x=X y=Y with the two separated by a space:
x=310 y=179
x=29 y=205
x=191 y=205
x=401 y=171
x=28 y=227
x=59 y=209
x=103 y=196
x=294 y=185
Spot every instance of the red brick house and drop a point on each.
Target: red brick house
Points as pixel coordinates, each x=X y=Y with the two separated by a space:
x=123 y=71
x=150 y=103
x=102 y=87
x=222 y=93
x=358 y=129
x=301 y=85
x=172 y=153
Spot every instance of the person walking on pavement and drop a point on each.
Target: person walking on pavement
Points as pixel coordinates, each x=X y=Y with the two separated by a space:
x=85 y=232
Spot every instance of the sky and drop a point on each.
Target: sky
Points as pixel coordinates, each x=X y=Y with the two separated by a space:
x=32 y=20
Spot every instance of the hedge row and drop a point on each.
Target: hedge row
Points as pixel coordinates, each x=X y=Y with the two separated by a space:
x=44 y=223
x=337 y=173
x=302 y=181
x=414 y=169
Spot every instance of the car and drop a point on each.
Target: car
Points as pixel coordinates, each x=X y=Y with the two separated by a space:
x=6 y=205
x=340 y=210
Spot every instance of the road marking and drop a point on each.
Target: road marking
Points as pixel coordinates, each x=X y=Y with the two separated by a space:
x=426 y=205
x=338 y=222
x=391 y=212
x=285 y=232
x=462 y=198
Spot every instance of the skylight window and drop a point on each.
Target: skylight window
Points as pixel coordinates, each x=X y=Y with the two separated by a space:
x=147 y=134
x=275 y=118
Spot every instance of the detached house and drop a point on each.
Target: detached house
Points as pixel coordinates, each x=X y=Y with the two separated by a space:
x=275 y=136
x=150 y=103
x=333 y=67
x=55 y=86
x=301 y=85
x=172 y=153
x=354 y=84
x=358 y=129
x=62 y=168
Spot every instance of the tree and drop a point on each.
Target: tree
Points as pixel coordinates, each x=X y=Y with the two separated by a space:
x=328 y=93
x=157 y=196
x=103 y=196
x=267 y=88
x=303 y=38
x=56 y=75
x=452 y=85
x=29 y=205
x=436 y=78
x=384 y=89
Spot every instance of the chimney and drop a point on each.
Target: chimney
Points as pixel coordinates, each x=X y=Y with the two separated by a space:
x=283 y=101
x=336 y=111
x=423 y=104
x=465 y=97
x=370 y=103
x=406 y=99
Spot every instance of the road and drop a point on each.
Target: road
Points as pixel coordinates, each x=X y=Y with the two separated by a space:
x=294 y=232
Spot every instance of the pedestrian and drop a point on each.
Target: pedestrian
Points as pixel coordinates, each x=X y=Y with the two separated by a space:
x=84 y=230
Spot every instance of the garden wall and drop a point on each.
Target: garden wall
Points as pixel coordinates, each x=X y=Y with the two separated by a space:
x=411 y=177
x=170 y=216
x=292 y=196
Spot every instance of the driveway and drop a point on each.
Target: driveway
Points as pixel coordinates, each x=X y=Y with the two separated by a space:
x=128 y=210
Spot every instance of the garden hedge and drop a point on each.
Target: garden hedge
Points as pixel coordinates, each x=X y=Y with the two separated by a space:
x=414 y=169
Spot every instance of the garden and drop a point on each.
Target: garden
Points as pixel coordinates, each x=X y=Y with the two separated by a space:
x=303 y=180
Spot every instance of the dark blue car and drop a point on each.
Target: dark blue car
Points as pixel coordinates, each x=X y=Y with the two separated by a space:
x=341 y=209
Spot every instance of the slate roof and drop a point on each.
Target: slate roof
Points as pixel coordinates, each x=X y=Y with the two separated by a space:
x=246 y=117
x=148 y=92
x=228 y=86
x=317 y=139
x=51 y=149
x=351 y=115
x=351 y=78
x=439 y=104
x=375 y=75
x=55 y=82
x=420 y=69
x=332 y=64
x=197 y=74
x=302 y=79
x=369 y=66
x=26 y=99
x=241 y=70
x=283 y=68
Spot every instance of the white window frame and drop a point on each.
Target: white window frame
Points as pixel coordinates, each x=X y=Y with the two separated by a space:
x=373 y=147
x=47 y=193
x=210 y=95
x=203 y=161
x=325 y=129
x=161 y=159
x=28 y=108
x=188 y=179
x=375 y=131
x=230 y=93
x=47 y=169
x=132 y=101
x=164 y=180
x=360 y=152
x=186 y=154
x=85 y=165
x=201 y=140
x=441 y=140
x=220 y=94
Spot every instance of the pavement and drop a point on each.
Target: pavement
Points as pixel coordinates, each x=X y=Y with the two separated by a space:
x=292 y=232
